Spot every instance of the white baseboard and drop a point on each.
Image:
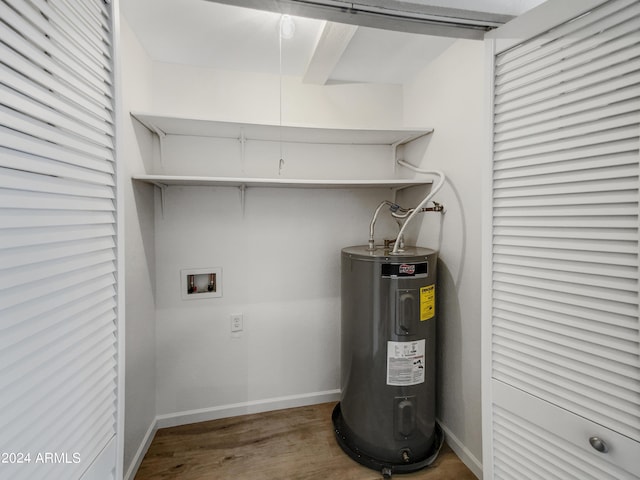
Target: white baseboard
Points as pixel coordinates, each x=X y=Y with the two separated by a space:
x=462 y=452
x=142 y=451
x=244 y=408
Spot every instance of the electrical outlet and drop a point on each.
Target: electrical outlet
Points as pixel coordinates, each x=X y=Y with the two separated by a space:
x=236 y=322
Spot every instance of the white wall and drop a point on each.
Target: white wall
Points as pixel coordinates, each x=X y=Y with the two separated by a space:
x=449 y=95
x=281 y=269
x=248 y=97
x=280 y=258
x=140 y=375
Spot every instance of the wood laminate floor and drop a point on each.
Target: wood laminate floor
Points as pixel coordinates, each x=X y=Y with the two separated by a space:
x=296 y=443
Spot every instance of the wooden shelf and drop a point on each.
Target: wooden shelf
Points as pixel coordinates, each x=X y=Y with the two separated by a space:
x=164 y=125
x=170 y=180
x=171 y=125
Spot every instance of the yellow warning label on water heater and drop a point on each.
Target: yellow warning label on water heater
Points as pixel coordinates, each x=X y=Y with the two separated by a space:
x=427 y=302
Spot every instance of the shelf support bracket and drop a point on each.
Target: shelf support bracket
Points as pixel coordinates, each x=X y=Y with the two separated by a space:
x=161 y=136
x=243 y=142
x=162 y=188
x=242 y=188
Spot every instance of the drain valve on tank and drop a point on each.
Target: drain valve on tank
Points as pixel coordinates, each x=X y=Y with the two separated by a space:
x=405 y=456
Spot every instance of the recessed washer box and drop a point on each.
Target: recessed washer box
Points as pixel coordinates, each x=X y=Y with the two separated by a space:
x=199 y=283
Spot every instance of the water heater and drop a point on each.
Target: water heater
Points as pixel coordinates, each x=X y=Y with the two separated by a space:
x=386 y=415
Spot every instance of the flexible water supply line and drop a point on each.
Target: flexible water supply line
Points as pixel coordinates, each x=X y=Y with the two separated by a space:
x=431 y=193
x=392 y=206
x=373 y=222
x=396 y=212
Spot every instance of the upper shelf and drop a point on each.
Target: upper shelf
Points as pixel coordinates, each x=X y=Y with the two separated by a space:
x=167 y=180
x=171 y=125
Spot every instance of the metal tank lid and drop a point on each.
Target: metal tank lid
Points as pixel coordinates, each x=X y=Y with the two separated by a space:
x=409 y=253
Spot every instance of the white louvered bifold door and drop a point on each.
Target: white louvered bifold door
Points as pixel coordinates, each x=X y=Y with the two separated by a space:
x=58 y=342
x=564 y=332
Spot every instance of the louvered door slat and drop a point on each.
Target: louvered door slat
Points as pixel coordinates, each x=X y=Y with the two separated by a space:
x=86 y=34
x=511 y=323
x=619 y=390
x=568 y=298
x=40 y=58
x=564 y=100
x=25 y=143
x=21 y=103
x=524 y=460
x=572 y=89
x=607 y=118
x=55 y=252
x=15 y=218
x=614 y=150
x=605 y=135
x=557 y=455
x=572 y=349
x=607 y=258
x=14 y=160
x=575 y=390
x=574 y=211
x=49 y=270
x=576 y=316
x=84 y=379
x=602 y=50
x=55 y=25
x=27 y=71
x=43 y=201
x=43 y=35
x=593 y=278
x=30 y=126
x=620 y=291
x=20 y=295
x=621 y=221
x=19 y=180
x=596 y=271
x=31 y=88
x=25 y=312
x=556 y=114
x=569 y=232
x=562 y=185
x=43 y=236
x=568 y=360
x=615 y=103
x=572 y=171
x=86 y=20
x=557 y=37
x=88 y=306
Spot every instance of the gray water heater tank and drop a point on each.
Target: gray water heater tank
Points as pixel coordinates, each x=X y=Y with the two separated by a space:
x=386 y=415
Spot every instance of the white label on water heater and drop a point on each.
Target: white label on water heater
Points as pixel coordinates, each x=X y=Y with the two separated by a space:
x=405 y=363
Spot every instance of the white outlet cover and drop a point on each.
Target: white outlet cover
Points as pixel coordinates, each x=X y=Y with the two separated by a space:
x=237 y=323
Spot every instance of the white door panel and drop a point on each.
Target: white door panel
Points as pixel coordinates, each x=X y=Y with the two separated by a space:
x=561 y=335
x=59 y=267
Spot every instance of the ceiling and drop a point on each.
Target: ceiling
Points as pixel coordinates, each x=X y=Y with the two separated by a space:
x=222 y=36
